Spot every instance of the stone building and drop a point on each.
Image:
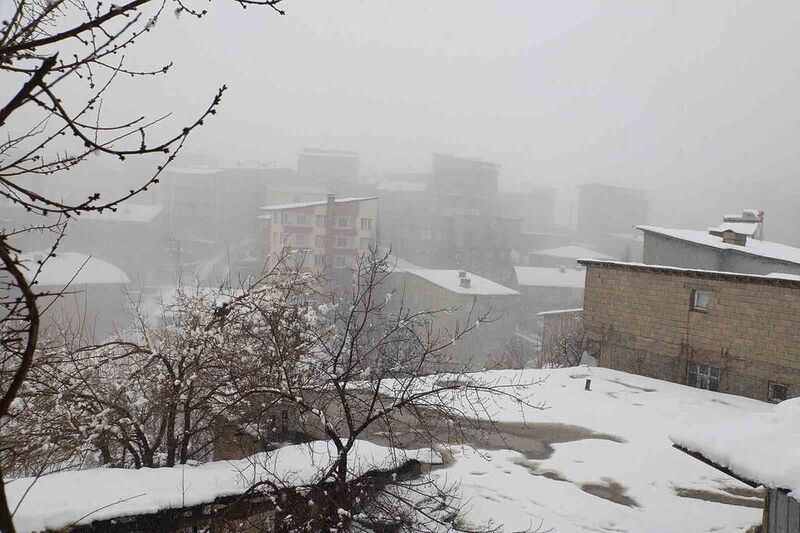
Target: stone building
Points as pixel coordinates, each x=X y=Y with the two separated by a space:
x=733 y=333
x=724 y=250
x=471 y=296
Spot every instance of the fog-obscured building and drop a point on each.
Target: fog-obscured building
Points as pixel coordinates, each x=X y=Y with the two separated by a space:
x=610 y=209
x=336 y=169
x=546 y=289
x=472 y=297
x=563 y=256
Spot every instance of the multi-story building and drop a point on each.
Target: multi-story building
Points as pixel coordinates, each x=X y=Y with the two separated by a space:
x=333 y=232
x=734 y=333
x=726 y=251
x=607 y=209
x=334 y=169
x=467 y=298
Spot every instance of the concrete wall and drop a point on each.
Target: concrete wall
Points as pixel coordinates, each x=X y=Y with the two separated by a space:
x=643 y=321
x=666 y=251
x=476 y=347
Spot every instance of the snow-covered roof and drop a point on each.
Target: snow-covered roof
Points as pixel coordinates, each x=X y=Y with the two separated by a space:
x=59 y=271
x=560 y=311
x=550 y=277
x=758 y=447
x=766 y=249
x=745 y=228
x=448 y=279
x=571 y=252
x=680 y=270
x=105 y=493
x=315 y=203
x=126 y=213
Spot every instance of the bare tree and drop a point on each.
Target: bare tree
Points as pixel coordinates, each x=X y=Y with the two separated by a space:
x=564 y=342
x=64 y=56
x=381 y=372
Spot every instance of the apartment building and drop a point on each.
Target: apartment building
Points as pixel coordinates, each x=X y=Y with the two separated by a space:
x=332 y=232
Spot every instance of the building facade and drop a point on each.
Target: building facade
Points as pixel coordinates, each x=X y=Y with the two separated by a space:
x=470 y=297
x=731 y=333
x=728 y=251
x=333 y=233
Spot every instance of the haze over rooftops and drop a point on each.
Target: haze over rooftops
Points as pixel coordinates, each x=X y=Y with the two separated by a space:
x=767 y=249
x=60 y=270
x=571 y=252
x=315 y=203
x=550 y=277
x=450 y=280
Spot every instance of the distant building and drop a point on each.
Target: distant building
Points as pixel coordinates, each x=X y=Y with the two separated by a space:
x=210 y=208
x=534 y=207
x=330 y=168
x=472 y=296
x=609 y=209
x=333 y=232
x=465 y=176
x=750 y=223
x=734 y=333
x=93 y=292
x=546 y=289
x=563 y=256
x=728 y=252
x=454 y=221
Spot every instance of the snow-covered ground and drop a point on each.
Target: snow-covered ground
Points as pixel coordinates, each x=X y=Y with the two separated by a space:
x=598 y=460
x=625 y=477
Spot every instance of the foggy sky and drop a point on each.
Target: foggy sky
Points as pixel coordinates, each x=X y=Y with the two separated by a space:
x=628 y=91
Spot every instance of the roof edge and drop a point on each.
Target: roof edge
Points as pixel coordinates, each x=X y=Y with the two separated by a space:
x=696 y=272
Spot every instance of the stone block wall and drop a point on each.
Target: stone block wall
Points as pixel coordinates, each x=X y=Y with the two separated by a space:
x=643 y=319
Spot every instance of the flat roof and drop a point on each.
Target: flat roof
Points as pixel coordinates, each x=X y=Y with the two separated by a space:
x=758 y=447
x=572 y=251
x=779 y=278
x=560 y=311
x=315 y=203
x=448 y=279
x=72 y=268
x=754 y=247
x=550 y=277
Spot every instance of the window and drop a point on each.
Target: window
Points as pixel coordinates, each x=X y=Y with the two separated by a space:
x=427 y=234
x=299 y=239
x=777 y=392
x=341 y=262
x=302 y=220
x=341 y=242
x=366 y=224
x=319 y=261
x=319 y=241
x=343 y=222
x=703 y=376
x=700 y=301
x=366 y=243
x=320 y=221
x=285 y=218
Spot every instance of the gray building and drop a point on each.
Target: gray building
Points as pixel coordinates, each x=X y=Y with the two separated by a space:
x=726 y=252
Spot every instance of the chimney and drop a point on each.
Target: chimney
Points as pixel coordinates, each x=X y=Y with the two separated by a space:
x=731 y=237
x=462 y=273
x=464 y=282
x=331 y=202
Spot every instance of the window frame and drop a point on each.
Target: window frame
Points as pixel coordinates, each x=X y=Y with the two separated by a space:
x=695 y=306
x=704 y=376
x=773 y=399
x=366 y=224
